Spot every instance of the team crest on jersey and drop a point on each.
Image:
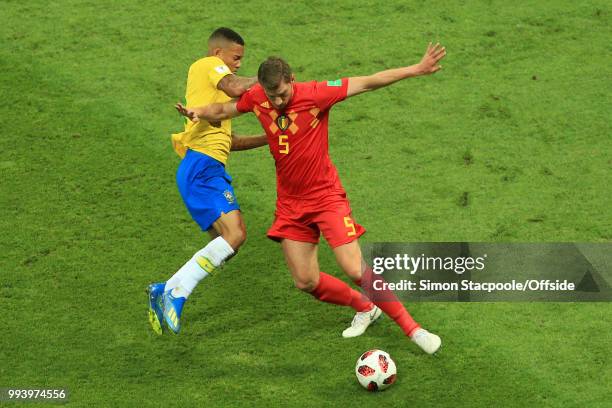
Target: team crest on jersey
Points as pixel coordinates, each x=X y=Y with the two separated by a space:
x=283 y=122
x=229 y=196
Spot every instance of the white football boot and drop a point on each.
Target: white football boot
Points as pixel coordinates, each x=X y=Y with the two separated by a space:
x=429 y=342
x=361 y=321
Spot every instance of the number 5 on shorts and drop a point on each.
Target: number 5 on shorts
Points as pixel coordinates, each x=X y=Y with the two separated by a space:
x=350 y=225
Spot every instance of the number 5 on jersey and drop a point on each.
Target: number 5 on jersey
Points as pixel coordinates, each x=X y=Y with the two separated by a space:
x=283 y=144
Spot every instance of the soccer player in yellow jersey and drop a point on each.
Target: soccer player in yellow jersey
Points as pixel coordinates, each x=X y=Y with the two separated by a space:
x=202 y=180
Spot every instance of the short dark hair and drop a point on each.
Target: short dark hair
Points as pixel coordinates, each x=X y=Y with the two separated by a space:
x=224 y=33
x=272 y=71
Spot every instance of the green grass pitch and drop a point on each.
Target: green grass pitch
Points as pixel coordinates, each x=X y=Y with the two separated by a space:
x=510 y=142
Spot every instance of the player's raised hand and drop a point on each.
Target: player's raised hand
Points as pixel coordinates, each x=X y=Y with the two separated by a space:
x=430 y=61
x=188 y=113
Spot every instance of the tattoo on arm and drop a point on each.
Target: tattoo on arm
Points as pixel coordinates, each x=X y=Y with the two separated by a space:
x=234 y=85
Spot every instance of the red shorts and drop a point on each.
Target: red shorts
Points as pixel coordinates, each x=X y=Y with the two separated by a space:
x=305 y=220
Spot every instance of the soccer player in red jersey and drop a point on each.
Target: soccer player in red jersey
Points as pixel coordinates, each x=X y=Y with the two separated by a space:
x=310 y=197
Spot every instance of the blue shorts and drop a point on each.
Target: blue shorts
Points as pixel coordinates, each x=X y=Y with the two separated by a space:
x=206 y=188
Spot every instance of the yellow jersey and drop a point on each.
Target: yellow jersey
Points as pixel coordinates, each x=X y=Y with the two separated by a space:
x=212 y=139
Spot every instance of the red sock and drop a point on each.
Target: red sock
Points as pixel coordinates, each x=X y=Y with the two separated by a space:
x=333 y=290
x=359 y=302
x=388 y=303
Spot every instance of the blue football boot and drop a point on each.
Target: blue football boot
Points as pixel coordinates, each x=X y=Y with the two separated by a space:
x=173 y=307
x=156 y=311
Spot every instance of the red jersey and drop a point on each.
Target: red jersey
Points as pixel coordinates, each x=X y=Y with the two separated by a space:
x=298 y=138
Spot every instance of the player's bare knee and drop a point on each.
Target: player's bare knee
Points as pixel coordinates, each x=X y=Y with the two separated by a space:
x=354 y=273
x=235 y=237
x=240 y=235
x=306 y=285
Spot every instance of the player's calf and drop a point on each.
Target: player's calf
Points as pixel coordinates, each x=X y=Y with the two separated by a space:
x=178 y=288
x=391 y=306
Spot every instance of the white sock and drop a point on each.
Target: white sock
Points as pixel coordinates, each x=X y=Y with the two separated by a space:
x=203 y=263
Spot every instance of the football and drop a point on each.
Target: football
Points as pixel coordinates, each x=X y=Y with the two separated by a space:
x=375 y=370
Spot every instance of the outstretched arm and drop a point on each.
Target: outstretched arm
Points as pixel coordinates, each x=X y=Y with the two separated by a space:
x=428 y=65
x=210 y=113
x=248 y=142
